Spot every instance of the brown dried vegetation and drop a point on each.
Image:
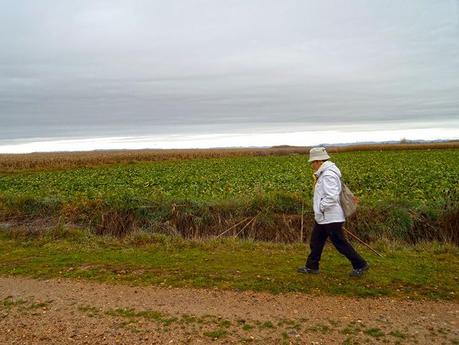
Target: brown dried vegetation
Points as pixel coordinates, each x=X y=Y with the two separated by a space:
x=64 y=160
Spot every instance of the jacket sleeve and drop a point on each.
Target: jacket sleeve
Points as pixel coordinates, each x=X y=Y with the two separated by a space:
x=331 y=188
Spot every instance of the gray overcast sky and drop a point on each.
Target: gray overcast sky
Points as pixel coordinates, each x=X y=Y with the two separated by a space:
x=94 y=68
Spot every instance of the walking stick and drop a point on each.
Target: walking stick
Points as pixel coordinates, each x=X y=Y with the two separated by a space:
x=358 y=239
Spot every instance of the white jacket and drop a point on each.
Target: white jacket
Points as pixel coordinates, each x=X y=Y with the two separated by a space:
x=327 y=207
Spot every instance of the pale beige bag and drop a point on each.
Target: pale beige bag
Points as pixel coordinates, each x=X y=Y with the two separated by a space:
x=347 y=200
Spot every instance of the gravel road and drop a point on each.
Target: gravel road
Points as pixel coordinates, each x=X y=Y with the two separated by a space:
x=62 y=311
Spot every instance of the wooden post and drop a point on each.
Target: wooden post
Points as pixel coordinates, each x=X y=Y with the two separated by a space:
x=302 y=217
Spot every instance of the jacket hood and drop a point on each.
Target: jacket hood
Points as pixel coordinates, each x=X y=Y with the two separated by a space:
x=328 y=166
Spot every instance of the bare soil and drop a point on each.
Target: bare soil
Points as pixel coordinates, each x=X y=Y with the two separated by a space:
x=62 y=311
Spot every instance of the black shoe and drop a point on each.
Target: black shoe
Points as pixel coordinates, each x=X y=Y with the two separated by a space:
x=357 y=272
x=307 y=270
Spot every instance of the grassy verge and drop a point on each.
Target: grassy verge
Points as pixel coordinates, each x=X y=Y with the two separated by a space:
x=423 y=271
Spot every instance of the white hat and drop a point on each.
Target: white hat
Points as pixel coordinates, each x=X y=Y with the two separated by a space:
x=318 y=154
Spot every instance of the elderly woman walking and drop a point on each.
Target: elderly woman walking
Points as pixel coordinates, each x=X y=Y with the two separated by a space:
x=328 y=215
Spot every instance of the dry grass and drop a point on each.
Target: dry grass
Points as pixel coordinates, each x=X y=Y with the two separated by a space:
x=251 y=221
x=64 y=160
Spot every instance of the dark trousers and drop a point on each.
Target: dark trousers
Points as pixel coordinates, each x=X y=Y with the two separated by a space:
x=319 y=236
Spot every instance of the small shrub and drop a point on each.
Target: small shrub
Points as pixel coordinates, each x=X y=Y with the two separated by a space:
x=374 y=332
x=217 y=334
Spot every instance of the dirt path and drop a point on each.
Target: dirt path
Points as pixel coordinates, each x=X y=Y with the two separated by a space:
x=77 y=312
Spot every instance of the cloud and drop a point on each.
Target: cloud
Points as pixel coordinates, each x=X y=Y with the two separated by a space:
x=113 y=68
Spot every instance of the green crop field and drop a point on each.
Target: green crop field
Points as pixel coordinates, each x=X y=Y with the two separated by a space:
x=417 y=176
x=398 y=189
